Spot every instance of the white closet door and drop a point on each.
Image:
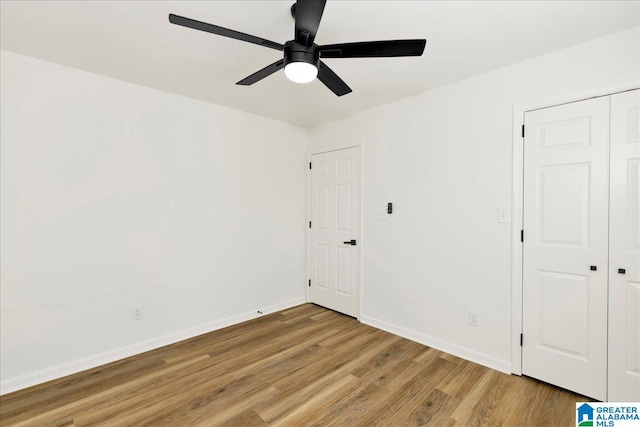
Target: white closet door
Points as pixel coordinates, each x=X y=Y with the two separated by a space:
x=624 y=249
x=566 y=199
x=334 y=239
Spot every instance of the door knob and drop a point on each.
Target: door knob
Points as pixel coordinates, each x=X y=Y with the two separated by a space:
x=622 y=270
x=594 y=268
x=350 y=242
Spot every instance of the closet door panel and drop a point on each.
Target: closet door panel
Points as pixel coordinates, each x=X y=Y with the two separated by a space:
x=624 y=249
x=566 y=195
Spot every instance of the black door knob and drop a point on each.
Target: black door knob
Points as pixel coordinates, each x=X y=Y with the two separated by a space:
x=350 y=242
x=622 y=270
x=594 y=268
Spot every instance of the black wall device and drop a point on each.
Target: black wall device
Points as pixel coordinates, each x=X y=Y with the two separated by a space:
x=389 y=208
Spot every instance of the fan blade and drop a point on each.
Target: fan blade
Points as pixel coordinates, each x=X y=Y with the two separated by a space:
x=308 y=15
x=259 y=75
x=331 y=80
x=379 y=49
x=214 y=29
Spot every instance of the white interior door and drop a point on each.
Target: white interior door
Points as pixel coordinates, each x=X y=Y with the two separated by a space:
x=566 y=183
x=334 y=230
x=624 y=249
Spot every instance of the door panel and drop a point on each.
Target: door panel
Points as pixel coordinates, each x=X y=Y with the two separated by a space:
x=334 y=219
x=322 y=265
x=560 y=294
x=344 y=207
x=632 y=367
x=343 y=284
x=624 y=249
x=565 y=134
x=565 y=233
x=563 y=211
x=322 y=206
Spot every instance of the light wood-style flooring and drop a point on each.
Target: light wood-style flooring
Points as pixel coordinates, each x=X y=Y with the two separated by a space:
x=299 y=367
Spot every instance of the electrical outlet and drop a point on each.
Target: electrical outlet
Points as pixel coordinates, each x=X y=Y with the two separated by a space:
x=136 y=312
x=473 y=319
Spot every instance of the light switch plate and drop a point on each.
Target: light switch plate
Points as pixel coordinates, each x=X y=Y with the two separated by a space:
x=504 y=215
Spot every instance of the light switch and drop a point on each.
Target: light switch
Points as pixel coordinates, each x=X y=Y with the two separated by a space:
x=504 y=216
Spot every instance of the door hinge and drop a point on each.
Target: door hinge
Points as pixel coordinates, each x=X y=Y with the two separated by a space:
x=309 y=282
x=309 y=165
x=520 y=340
x=309 y=224
x=522 y=236
x=523 y=131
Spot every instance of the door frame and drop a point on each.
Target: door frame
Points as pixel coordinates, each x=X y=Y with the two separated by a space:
x=326 y=148
x=517 y=199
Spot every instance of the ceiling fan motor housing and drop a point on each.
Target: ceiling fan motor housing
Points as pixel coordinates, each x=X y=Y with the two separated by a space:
x=296 y=52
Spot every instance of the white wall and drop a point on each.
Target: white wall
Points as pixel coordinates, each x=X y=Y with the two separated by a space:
x=115 y=195
x=444 y=158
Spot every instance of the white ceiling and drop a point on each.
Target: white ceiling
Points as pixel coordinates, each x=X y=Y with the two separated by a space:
x=133 y=41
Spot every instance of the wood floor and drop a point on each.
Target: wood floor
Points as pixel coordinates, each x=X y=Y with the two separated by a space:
x=299 y=367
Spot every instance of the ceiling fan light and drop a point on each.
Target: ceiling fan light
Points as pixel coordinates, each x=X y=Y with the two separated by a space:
x=301 y=72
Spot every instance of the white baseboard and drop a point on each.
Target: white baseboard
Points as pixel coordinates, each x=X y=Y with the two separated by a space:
x=59 y=371
x=438 y=344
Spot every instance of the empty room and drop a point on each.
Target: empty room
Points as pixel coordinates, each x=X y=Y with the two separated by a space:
x=332 y=213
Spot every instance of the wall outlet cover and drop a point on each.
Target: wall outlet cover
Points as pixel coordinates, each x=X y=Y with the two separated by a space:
x=136 y=312
x=473 y=318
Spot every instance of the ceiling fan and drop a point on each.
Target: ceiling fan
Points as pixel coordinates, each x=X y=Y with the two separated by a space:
x=302 y=57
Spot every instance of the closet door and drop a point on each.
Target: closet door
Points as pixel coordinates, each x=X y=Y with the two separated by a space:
x=566 y=197
x=624 y=249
